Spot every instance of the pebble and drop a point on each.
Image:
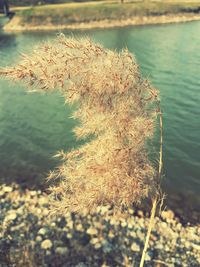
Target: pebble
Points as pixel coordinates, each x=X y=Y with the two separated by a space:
x=187 y=244
x=46 y=244
x=132 y=234
x=43 y=201
x=94 y=240
x=7 y=189
x=61 y=250
x=140 y=213
x=173 y=260
x=147 y=257
x=135 y=247
x=113 y=221
x=70 y=224
x=11 y=216
x=123 y=223
x=33 y=193
x=69 y=235
x=111 y=234
x=97 y=245
x=42 y=231
x=79 y=227
x=197 y=247
x=38 y=239
x=81 y=264
x=53 y=224
x=103 y=210
x=140 y=235
x=159 y=246
x=168 y=214
x=92 y=231
x=107 y=247
x=178 y=261
x=179 y=226
x=164 y=225
x=24 y=221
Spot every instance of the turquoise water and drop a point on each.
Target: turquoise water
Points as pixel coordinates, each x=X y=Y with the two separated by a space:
x=34 y=127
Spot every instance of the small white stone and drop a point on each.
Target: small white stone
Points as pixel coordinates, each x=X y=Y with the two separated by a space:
x=147 y=257
x=11 y=216
x=179 y=226
x=39 y=211
x=103 y=209
x=33 y=193
x=111 y=234
x=131 y=211
x=42 y=231
x=45 y=212
x=132 y=234
x=43 y=200
x=92 y=231
x=38 y=238
x=187 y=244
x=163 y=225
x=167 y=214
x=53 y=224
x=94 y=241
x=97 y=246
x=69 y=235
x=159 y=246
x=113 y=221
x=46 y=244
x=7 y=189
x=197 y=247
x=123 y=223
x=70 y=224
x=135 y=247
x=79 y=227
x=130 y=225
x=81 y=264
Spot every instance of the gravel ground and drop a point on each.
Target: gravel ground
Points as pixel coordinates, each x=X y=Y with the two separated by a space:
x=29 y=237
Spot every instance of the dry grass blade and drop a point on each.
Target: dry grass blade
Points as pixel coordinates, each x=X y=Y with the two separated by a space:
x=155 y=201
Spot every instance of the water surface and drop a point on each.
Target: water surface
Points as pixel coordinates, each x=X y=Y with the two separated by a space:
x=34 y=127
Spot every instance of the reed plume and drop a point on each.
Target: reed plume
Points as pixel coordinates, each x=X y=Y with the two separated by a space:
x=116 y=112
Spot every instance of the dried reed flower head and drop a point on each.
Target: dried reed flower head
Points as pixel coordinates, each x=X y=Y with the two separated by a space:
x=116 y=111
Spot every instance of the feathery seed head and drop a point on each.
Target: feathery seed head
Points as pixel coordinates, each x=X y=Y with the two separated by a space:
x=115 y=107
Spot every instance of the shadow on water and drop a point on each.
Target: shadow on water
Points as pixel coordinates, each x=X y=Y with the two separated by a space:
x=6 y=40
x=42 y=129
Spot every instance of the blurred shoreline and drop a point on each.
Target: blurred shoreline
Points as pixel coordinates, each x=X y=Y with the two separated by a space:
x=16 y=24
x=181 y=206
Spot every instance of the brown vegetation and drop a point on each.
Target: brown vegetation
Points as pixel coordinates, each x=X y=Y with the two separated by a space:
x=116 y=111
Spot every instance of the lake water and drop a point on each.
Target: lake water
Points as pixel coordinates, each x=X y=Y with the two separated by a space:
x=34 y=127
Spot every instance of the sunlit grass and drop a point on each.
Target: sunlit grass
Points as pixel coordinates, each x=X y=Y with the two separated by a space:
x=102 y=10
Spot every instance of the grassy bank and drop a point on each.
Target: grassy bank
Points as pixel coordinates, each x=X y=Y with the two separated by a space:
x=86 y=12
x=101 y=14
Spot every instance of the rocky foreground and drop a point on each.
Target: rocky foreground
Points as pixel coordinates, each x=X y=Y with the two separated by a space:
x=29 y=237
